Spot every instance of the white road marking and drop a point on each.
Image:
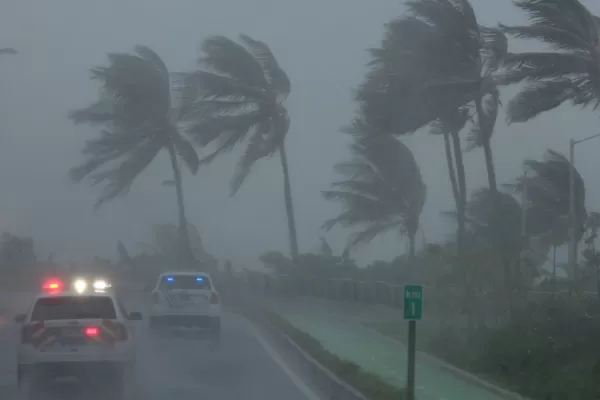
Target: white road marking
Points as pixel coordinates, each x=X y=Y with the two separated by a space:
x=308 y=392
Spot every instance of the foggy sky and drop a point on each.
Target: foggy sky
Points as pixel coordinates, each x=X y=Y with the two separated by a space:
x=321 y=45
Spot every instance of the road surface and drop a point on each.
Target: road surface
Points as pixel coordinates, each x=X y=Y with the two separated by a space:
x=247 y=367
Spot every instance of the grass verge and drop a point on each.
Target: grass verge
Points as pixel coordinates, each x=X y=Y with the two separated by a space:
x=457 y=357
x=366 y=383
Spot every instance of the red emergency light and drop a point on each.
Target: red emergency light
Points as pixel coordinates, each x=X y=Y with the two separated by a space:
x=52 y=285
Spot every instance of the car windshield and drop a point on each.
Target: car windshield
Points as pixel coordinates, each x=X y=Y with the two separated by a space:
x=73 y=307
x=185 y=282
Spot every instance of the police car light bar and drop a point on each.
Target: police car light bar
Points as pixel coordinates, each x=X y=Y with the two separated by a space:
x=52 y=285
x=80 y=285
x=100 y=284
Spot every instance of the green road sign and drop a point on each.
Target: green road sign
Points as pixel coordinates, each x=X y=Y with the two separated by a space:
x=413 y=302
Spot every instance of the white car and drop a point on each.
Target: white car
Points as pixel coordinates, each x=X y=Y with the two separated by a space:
x=187 y=300
x=76 y=334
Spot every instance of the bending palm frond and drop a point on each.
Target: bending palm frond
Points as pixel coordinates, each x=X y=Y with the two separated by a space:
x=547 y=188
x=383 y=189
x=135 y=108
x=235 y=95
x=136 y=113
x=569 y=73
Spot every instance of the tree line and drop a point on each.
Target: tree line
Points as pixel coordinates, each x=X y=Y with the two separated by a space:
x=436 y=67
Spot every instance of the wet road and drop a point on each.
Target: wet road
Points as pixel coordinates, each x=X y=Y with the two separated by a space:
x=246 y=367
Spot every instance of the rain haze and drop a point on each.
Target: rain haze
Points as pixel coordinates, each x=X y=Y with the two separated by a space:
x=490 y=286
x=321 y=46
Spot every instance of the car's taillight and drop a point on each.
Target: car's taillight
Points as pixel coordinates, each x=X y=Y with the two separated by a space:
x=91 y=331
x=214 y=298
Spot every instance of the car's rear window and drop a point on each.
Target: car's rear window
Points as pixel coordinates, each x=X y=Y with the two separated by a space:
x=73 y=307
x=186 y=282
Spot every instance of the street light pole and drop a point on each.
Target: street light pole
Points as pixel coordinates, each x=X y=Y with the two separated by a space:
x=572 y=219
x=572 y=238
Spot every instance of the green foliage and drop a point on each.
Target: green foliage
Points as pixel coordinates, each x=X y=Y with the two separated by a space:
x=368 y=384
x=238 y=91
x=432 y=62
x=383 y=189
x=547 y=185
x=135 y=112
x=237 y=94
x=567 y=72
x=549 y=354
x=309 y=265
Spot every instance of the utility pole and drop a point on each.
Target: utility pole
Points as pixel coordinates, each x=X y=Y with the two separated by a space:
x=572 y=239
x=572 y=219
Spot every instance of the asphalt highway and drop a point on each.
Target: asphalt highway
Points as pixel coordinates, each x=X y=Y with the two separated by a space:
x=247 y=366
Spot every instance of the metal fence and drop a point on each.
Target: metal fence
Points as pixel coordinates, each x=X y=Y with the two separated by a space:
x=445 y=301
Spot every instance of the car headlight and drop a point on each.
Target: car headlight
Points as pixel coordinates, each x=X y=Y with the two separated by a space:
x=80 y=285
x=100 y=284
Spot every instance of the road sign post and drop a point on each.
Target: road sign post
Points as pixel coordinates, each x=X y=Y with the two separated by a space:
x=413 y=311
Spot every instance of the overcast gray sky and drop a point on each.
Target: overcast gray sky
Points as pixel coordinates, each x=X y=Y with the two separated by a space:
x=321 y=44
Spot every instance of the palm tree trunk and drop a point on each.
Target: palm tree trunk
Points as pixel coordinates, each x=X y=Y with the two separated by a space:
x=461 y=231
x=289 y=206
x=489 y=164
x=462 y=192
x=486 y=132
x=184 y=255
x=451 y=170
x=504 y=256
x=553 y=271
x=412 y=239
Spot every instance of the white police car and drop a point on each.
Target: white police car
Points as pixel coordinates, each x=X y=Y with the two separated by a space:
x=82 y=333
x=186 y=300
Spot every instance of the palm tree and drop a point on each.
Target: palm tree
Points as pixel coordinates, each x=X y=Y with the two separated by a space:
x=548 y=198
x=138 y=120
x=436 y=66
x=592 y=257
x=239 y=91
x=382 y=191
x=568 y=72
x=486 y=232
